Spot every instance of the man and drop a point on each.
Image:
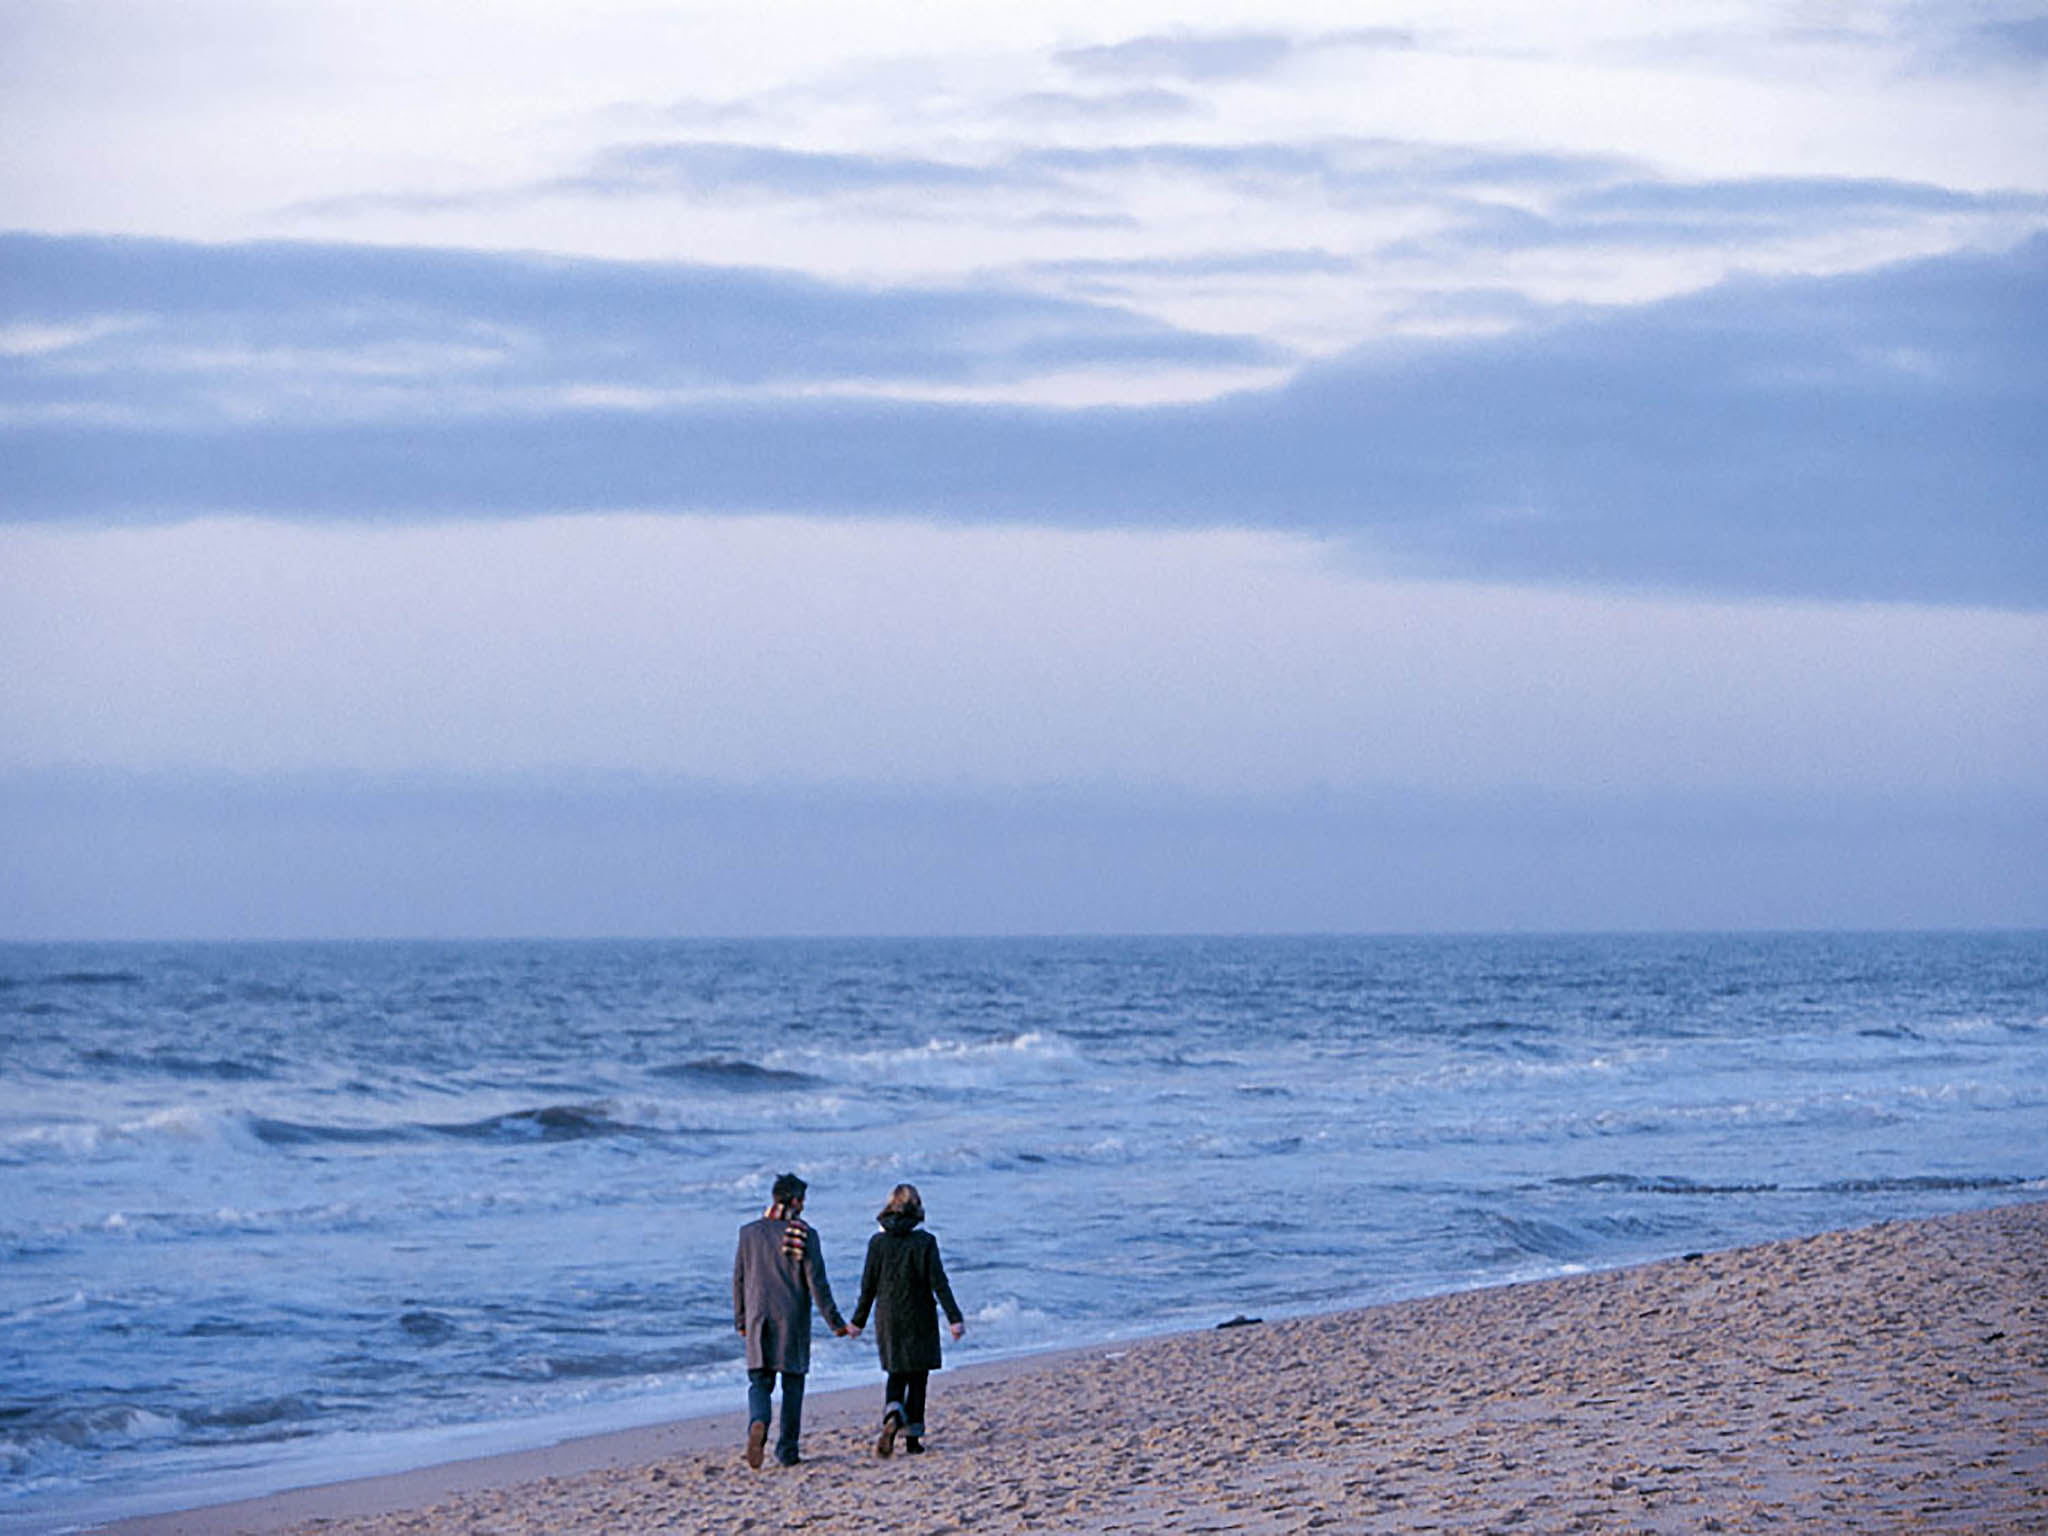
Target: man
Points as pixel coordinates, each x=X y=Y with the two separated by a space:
x=777 y=1273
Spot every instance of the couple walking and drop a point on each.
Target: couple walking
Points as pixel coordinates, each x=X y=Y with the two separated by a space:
x=778 y=1273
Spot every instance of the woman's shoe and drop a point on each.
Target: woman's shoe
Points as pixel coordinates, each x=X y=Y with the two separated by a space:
x=886 y=1445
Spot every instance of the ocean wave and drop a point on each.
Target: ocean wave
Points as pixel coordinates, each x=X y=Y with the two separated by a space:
x=1510 y=1238
x=1933 y=1183
x=1509 y=1073
x=226 y=1328
x=79 y=1140
x=695 y=1118
x=82 y=1140
x=1510 y=1034
x=71 y=1140
x=43 y=1311
x=1658 y=1184
x=545 y=1123
x=549 y=1122
x=1237 y=1146
x=1670 y=1184
x=1006 y=1311
x=287 y=1416
x=1981 y=1028
x=736 y=1076
x=609 y=1365
x=294 y=1133
x=1179 y=1059
x=1034 y=1056
x=1831 y=1109
x=884 y=1167
x=212 y=1222
x=39 y=1428
x=429 y=1328
x=224 y=1069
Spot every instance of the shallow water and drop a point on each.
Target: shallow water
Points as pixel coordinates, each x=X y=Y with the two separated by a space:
x=277 y=1213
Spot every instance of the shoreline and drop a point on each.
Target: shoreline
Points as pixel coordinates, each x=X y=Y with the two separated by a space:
x=827 y=1411
x=1892 y=1377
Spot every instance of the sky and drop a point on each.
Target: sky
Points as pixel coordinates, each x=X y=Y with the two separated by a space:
x=535 y=469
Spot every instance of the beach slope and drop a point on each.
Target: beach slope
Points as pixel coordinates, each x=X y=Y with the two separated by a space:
x=1893 y=1378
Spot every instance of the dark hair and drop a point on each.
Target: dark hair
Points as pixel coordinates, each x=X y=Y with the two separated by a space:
x=788 y=1187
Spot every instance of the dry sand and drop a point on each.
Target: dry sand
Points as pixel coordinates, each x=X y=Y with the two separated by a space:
x=1889 y=1379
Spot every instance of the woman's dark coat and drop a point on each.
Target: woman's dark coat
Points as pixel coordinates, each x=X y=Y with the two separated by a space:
x=899 y=1280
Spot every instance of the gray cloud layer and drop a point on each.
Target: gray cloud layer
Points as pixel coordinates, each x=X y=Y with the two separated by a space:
x=1351 y=172
x=161 y=331
x=1867 y=436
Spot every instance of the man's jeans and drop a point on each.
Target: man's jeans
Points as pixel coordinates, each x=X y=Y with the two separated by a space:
x=760 y=1384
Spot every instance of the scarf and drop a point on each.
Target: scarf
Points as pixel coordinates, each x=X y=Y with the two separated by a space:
x=794 y=1236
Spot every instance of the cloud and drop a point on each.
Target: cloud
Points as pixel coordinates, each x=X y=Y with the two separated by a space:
x=1008 y=183
x=1423 y=217
x=719 y=171
x=2022 y=39
x=1974 y=37
x=1219 y=56
x=705 y=170
x=1867 y=436
x=167 y=332
x=1714 y=215
x=1073 y=106
x=712 y=170
x=1281 y=263
x=1183 y=56
x=1792 y=201
x=1353 y=172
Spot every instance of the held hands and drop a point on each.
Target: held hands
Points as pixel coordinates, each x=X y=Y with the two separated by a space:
x=849 y=1333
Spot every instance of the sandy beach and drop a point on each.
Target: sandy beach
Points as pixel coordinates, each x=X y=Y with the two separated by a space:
x=1893 y=1378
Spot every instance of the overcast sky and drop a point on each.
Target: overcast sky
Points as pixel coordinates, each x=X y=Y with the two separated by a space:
x=547 y=469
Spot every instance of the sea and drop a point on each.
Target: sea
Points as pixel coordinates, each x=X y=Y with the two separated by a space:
x=277 y=1214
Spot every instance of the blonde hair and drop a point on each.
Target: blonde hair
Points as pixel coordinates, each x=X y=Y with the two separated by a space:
x=904 y=1197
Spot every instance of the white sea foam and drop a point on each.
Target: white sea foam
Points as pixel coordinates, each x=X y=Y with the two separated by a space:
x=1034 y=1056
x=1004 y=1311
x=66 y=1139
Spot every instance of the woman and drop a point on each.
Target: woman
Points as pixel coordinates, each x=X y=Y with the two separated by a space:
x=899 y=1280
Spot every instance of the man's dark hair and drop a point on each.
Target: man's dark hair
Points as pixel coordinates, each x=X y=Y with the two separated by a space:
x=789 y=1187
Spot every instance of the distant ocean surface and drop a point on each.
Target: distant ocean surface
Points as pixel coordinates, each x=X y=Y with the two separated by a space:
x=281 y=1213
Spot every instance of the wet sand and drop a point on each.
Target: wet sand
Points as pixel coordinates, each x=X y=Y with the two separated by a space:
x=1893 y=1378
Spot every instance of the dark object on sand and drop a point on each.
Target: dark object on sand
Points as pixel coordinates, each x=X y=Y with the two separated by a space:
x=1241 y=1321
